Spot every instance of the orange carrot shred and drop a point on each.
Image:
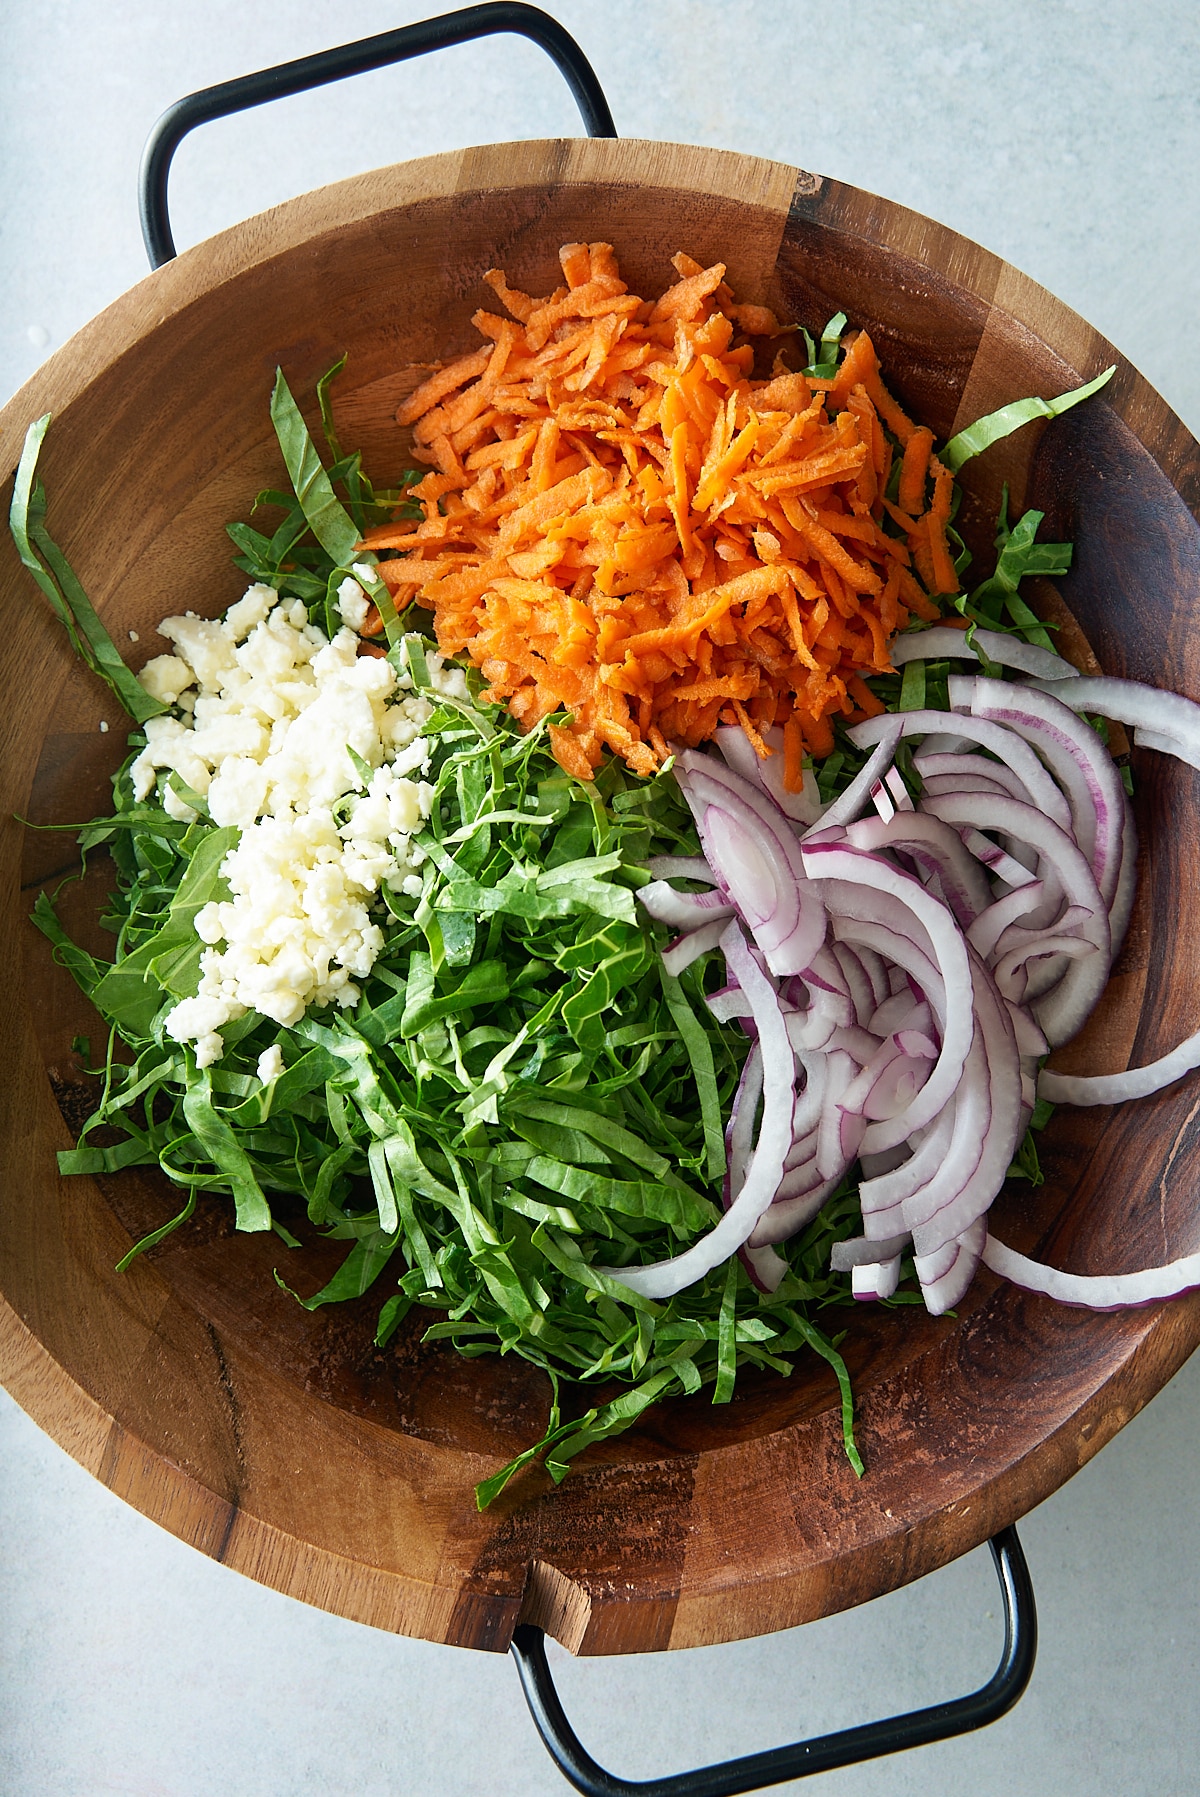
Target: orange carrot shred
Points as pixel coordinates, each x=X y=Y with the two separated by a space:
x=620 y=521
x=913 y=469
x=793 y=756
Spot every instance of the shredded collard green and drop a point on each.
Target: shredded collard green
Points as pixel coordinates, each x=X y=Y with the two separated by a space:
x=985 y=431
x=522 y=1093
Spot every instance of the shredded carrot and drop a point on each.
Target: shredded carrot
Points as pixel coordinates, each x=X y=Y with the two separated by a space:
x=621 y=523
x=913 y=469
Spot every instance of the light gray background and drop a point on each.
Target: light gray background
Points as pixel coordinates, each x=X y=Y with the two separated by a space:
x=1066 y=136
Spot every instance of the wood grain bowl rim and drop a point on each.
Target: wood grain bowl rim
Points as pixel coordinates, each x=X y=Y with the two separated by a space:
x=593 y=1616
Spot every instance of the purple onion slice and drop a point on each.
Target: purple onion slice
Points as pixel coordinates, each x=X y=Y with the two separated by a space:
x=803 y=807
x=1004 y=744
x=1094 y=1291
x=944 y=643
x=1076 y=756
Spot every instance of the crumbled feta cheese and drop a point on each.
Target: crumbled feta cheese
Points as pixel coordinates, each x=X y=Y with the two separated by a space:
x=250 y=610
x=270 y=1063
x=271 y=711
x=178 y=808
x=451 y=682
x=165 y=677
x=202 y=644
x=352 y=603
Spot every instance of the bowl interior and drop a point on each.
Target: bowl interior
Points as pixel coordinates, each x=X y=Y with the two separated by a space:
x=285 y=1441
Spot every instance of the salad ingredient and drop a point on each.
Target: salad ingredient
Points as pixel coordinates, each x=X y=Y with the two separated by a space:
x=625 y=524
x=897 y=1040
x=870 y=1041
x=301 y=753
x=1093 y=1291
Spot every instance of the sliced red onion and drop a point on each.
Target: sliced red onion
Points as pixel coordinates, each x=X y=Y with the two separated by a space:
x=875 y=1280
x=875 y=968
x=753 y=852
x=916 y=1059
x=788 y=1216
x=872 y=1164
x=857 y=795
x=682 y=910
x=1004 y=744
x=932 y=1215
x=1115 y=1088
x=1063 y=1011
x=935 y=845
x=1183 y=748
x=827 y=986
x=946 y=1275
x=1012 y=973
x=884 y=1195
x=960 y=1163
x=944 y=643
x=862 y=993
x=739 y=1137
x=765 y=1267
x=881 y=798
x=1072 y=922
x=825 y=861
x=900 y=1012
x=803 y=807
x=1167 y=715
x=1122 y=904
x=1031 y=1043
x=838 y=1133
x=859 y=1044
x=682 y=867
x=665 y=1278
x=810 y=1030
x=728 y=1003
x=1094 y=1291
x=987 y=930
x=969 y=766
x=896 y=1087
x=869 y=1073
x=1076 y=756
x=859 y=1251
x=686 y=949
x=991 y=856
x=798 y=1181
x=978 y=780
x=811 y=1100
x=865 y=918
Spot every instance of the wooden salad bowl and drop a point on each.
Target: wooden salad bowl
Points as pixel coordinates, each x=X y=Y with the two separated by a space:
x=284 y=1443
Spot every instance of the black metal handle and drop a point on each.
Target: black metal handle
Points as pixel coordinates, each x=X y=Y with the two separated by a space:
x=824 y=1752
x=355 y=59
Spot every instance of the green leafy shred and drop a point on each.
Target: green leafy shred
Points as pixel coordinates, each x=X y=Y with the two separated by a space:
x=986 y=431
x=53 y=573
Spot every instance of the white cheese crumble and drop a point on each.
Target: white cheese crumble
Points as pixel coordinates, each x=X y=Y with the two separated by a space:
x=352 y=603
x=269 y=712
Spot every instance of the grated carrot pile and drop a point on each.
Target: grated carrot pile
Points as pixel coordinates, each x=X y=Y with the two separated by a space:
x=621 y=523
